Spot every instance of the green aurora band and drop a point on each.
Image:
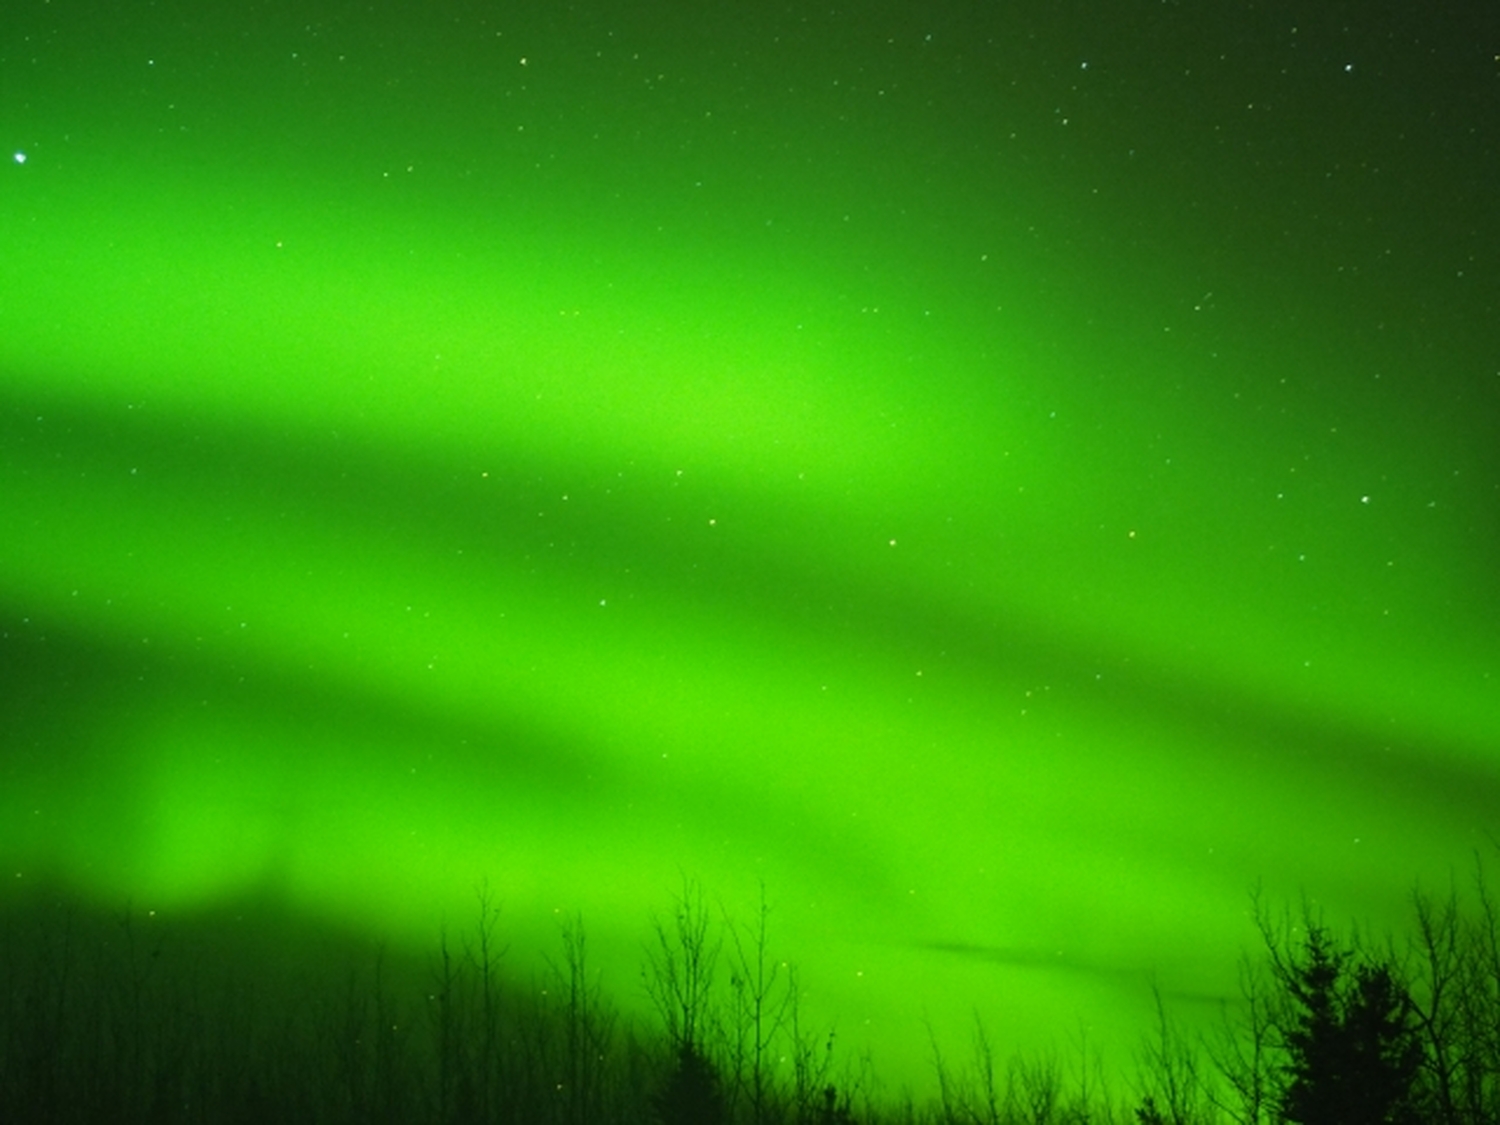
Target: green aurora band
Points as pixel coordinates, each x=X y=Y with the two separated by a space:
x=981 y=549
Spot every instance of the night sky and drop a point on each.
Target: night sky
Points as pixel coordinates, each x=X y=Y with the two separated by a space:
x=1009 y=477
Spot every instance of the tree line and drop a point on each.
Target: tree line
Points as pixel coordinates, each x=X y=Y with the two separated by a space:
x=108 y=1021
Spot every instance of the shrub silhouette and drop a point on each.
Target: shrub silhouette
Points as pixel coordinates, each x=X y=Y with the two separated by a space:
x=691 y=1095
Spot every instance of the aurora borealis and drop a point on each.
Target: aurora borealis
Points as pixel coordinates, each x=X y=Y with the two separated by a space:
x=1010 y=478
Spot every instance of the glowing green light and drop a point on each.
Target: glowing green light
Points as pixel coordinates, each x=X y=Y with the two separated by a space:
x=422 y=545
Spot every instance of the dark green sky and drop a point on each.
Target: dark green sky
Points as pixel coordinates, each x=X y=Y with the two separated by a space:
x=1009 y=476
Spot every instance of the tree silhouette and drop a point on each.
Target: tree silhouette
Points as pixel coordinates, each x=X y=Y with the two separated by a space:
x=679 y=973
x=679 y=981
x=691 y=1095
x=1353 y=1053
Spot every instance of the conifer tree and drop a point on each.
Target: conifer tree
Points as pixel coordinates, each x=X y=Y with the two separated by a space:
x=1349 y=1031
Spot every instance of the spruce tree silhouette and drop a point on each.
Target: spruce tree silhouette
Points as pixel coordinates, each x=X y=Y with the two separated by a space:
x=1351 y=1040
x=691 y=1095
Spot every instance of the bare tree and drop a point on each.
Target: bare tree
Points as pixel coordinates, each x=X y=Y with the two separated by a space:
x=812 y=1064
x=1242 y=1052
x=988 y=1093
x=679 y=972
x=483 y=956
x=1438 y=995
x=446 y=1012
x=1033 y=1094
x=759 y=1002
x=950 y=1094
x=1089 y=1103
x=679 y=978
x=588 y=1028
x=1458 y=1001
x=1171 y=1085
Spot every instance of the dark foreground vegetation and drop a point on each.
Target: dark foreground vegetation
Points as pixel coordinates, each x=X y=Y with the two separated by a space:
x=124 y=1020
